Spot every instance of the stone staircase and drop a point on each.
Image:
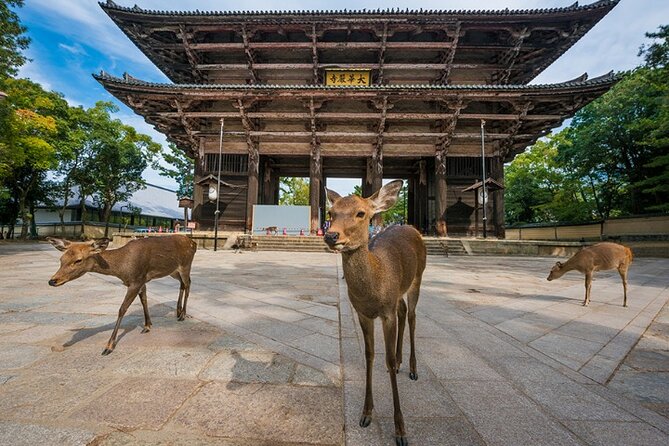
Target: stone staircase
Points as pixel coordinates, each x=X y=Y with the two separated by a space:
x=435 y=246
x=289 y=243
x=444 y=246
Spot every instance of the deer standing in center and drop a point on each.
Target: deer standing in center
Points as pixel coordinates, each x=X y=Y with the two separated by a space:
x=135 y=264
x=378 y=273
x=598 y=257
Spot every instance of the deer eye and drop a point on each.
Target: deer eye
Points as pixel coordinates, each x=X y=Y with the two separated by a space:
x=360 y=214
x=77 y=261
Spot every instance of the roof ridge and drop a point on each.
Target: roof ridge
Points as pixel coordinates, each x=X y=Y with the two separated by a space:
x=582 y=80
x=111 y=5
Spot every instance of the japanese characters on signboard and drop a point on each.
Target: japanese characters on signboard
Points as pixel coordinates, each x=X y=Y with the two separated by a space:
x=347 y=78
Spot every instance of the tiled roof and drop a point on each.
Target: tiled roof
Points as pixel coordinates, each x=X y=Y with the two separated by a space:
x=581 y=81
x=110 y=5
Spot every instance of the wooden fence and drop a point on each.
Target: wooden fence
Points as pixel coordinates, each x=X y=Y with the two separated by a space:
x=655 y=227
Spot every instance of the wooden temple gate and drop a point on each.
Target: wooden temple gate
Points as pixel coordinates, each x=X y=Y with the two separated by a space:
x=432 y=77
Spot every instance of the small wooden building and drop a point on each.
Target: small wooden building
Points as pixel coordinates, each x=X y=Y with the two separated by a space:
x=368 y=94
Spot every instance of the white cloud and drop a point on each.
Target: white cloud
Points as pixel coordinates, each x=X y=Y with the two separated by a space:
x=75 y=49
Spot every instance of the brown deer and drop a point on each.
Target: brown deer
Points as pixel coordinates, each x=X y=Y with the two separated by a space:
x=598 y=257
x=378 y=273
x=135 y=264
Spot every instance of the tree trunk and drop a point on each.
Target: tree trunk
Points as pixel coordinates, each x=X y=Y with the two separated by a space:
x=83 y=215
x=61 y=211
x=106 y=216
x=33 y=223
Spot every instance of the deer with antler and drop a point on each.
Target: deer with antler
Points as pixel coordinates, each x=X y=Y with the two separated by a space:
x=378 y=273
x=598 y=257
x=136 y=263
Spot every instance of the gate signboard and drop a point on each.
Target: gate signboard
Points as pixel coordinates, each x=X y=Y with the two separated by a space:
x=345 y=78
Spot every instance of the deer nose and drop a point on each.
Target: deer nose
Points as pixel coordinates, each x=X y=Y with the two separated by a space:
x=331 y=237
x=52 y=282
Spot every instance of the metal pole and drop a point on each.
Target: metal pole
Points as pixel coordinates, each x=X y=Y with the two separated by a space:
x=483 y=176
x=218 y=188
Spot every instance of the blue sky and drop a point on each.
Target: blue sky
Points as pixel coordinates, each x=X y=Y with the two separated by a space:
x=71 y=39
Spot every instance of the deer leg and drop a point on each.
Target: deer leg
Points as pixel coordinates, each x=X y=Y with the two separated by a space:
x=588 y=285
x=367 y=326
x=186 y=284
x=622 y=270
x=390 y=337
x=129 y=297
x=182 y=288
x=401 y=322
x=145 y=306
x=412 y=296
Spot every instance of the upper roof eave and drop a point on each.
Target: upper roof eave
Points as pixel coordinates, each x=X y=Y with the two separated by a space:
x=606 y=5
x=580 y=82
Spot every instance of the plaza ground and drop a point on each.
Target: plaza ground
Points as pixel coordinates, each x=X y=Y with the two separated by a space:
x=272 y=355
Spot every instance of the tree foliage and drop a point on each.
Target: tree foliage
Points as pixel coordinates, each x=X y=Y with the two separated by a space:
x=294 y=191
x=12 y=39
x=178 y=166
x=612 y=160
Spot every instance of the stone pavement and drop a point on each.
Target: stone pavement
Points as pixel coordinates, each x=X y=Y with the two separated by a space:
x=272 y=355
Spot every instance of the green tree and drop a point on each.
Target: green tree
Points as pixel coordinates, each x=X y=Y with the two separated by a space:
x=294 y=191
x=30 y=127
x=119 y=156
x=180 y=167
x=12 y=39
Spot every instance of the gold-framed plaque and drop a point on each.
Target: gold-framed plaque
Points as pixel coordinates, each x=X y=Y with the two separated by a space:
x=336 y=77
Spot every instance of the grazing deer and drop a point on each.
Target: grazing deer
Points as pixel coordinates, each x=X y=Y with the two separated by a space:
x=599 y=257
x=378 y=273
x=135 y=264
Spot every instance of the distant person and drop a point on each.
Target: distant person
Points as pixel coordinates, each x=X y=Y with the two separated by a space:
x=177 y=227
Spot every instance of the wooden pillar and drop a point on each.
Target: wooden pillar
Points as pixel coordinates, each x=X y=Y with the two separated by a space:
x=315 y=181
x=411 y=203
x=374 y=181
x=422 y=198
x=267 y=183
x=440 y=192
x=252 y=185
x=497 y=173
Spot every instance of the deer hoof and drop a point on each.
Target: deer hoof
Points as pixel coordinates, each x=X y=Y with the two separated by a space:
x=107 y=351
x=365 y=420
x=401 y=441
x=181 y=318
x=146 y=330
x=413 y=376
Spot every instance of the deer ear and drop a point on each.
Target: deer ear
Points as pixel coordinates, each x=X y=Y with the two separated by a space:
x=331 y=196
x=99 y=245
x=558 y=264
x=59 y=244
x=386 y=197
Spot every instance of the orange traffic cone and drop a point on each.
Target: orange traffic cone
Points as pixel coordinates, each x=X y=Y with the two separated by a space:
x=320 y=232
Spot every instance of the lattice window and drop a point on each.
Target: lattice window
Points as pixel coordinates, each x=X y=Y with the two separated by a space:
x=231 y=163
x=466 y=166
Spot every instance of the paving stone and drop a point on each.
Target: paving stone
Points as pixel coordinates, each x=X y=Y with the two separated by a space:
x=648 y=360
x=79 y=361
x=12 y=327
x=137 y=403
x=265 y=412
x=249 y=367
x=320 y=325
x=19 y=434
x=166 y=363
x=17 y=356
x=230 y=342
x=570 y=401
x=647 y=387
x=277 y=330
x=282 y=314
x=325 y=312
x=322 y=346
x=307 y=376
x=48 y=397
x=598 y=433
x=169 y=438
x=456 y=431
x=37 y=334
x=571 y=352
x=35 y=317
x=455 y=363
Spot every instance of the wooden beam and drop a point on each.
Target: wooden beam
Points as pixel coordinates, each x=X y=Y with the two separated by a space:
x=249 y=55
x=211 y=47
x=506 y=144
x=362 y=115
x=449 y=55
x=370 y=66
x=195 y=144
x=190 y=54
x=508 y=58
x=382 y=53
